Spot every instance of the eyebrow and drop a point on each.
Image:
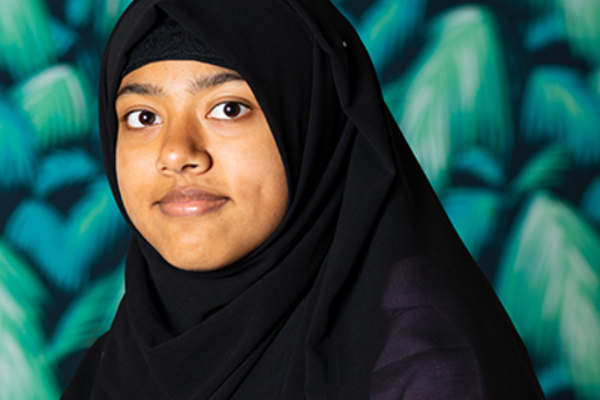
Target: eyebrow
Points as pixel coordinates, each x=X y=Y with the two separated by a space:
x=213 y=80
x=140 y=88
x=195 y=85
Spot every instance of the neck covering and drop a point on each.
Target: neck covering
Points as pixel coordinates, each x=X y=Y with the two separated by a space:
x=363 y=291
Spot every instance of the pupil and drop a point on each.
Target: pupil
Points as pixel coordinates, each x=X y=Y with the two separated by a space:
x=231 y=109
x=147 y=118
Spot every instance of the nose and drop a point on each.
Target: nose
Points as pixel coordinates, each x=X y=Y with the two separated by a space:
x=183 y=151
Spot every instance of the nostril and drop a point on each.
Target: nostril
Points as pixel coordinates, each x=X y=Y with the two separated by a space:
x=171 y=162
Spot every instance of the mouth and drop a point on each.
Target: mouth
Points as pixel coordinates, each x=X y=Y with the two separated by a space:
x=190 y=202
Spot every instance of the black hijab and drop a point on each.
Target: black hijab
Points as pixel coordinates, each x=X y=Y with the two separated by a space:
x=363 y=291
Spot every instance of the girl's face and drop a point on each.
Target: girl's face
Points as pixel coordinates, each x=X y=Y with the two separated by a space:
x=198 y=169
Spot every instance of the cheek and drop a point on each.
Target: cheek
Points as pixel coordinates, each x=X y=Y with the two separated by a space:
x=257 y=174
x=131 y=171
x=275 y=187
x=270 y=184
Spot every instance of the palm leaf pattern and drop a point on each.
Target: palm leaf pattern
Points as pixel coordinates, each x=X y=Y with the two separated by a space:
x=103 y=14
x=539 y=5
x=594 y=83
x=64 y=168
x=35 y=228
x=25 y=373
x=558 y=105
x=554 y=377
x=481 y=164
x=388 y=25
x=544 y=31
x=549 y=282
x=95 y=223
x=58 y=102
x=581 y=21
x=63 y=36
x=544 y=170
x=499 y=101
x=461 y=204
x=25 y=30
x=590 y=203
x=455 y=94
x=65 y=248
x=17 y=149
x=88 y=316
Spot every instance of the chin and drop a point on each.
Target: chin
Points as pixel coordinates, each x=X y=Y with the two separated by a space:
x=195 y=263
x=201 y=254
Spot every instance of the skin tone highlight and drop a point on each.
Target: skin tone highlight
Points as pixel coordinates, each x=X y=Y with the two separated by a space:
x=198 y=168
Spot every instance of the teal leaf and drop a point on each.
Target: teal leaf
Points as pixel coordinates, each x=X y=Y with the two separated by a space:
x=25 y=37
x=548 y=280
x=557 y=105
x=540 y=6
x=109 y=12
x=88 y=63
x=583 y=31
x=66 y=248
x=19 y=281
x=17 y=150
x=36 y=228
x=26 y=373
x=482 y=164
x=103 y=14
x=78 y=12
x=590 y=202
x=64 y=168
x=474 y=214
x=546 y=169
x=543 y=31
x=593 y=83
x=94 y=224
x=88 y=316
x=63 y=37
x=455 y=95
x=387 y=25
x=554 y=378
x=58 y=102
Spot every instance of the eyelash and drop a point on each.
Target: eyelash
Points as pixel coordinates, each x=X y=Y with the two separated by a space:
x=240 y=110
x=127 y=119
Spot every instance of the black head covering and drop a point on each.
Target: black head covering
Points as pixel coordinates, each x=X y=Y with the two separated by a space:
x=363 y=291
x=170 y=41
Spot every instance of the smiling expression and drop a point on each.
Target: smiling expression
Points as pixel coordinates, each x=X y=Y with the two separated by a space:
x=198 y=169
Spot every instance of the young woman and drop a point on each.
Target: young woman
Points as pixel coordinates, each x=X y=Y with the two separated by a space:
x=286 y=243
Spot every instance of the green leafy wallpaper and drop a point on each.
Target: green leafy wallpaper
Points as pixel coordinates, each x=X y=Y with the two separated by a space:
x=499 y=99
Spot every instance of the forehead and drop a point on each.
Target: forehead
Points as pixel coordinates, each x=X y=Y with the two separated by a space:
x=155 y=78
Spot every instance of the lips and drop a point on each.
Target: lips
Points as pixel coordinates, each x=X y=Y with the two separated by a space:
x=190 y=202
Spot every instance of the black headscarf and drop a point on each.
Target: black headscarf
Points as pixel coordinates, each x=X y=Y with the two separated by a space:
x=363 y=291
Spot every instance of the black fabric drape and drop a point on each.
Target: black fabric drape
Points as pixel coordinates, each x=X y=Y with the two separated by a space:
x=363 y=291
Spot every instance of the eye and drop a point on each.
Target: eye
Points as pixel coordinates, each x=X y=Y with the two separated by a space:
x=228 y=110
x=142 y=119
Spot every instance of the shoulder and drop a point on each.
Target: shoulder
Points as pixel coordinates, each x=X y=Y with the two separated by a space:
x=427 y=352
x=447 y=340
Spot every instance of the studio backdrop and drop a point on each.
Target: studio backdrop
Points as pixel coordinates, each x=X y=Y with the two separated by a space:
x=499 y=99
